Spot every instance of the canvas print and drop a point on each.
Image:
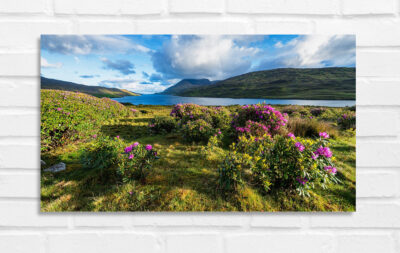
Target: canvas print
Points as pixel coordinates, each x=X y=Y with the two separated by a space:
x=180 y=123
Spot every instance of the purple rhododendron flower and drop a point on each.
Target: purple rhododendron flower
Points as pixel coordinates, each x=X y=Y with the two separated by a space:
x=128 y=149
x=291 y=135
x=149 y=147
x=135 y=144
x=131 y=156
x=324 y=135
x=299 y=146
x=324 y=151
x=330 y=169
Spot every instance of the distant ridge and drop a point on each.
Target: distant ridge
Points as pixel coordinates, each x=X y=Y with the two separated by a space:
x=186 y=84
x=98 y=91
x=337 y=83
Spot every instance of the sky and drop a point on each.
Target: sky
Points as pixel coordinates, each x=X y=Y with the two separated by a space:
x=151 y=63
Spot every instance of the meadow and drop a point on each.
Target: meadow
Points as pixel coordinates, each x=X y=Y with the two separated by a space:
x=195 y=158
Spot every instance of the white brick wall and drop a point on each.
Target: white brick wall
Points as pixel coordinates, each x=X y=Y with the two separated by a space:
x=375 y=227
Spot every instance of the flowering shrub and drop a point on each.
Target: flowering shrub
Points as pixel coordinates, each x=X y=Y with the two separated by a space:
x=198 y=130
x=199 y=123
x=68 y=116
x=217 y=117
x=261 y=119
x=317 y=111
x=287 y=162
x=347 y=120
x=162 y=125
x=136 y=161
x=110 y=159
x=230 y=173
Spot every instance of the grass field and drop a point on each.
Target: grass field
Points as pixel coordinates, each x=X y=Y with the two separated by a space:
x=185 y=176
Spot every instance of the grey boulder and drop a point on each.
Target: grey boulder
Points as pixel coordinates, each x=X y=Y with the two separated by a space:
x=56 y=168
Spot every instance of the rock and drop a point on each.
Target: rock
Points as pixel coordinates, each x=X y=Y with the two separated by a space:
x=56 y=168
x=42 y=163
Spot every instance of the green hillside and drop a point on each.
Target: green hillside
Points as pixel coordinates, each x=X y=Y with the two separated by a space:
x=97 y=91
x=287 y=83
x=186 y=84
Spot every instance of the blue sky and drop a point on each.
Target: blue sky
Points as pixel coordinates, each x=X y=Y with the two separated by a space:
x=152 y=63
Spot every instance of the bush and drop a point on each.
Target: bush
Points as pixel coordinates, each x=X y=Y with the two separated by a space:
x=347 y=120
x=261 y=116
x=317 y=111
x=230 y=174
x=198 y=130
x=110 y=160
x=286 y=163
x=217 y=117
x=68 y=116
x=162 y=125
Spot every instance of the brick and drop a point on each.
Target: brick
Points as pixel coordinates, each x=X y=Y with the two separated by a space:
x=27 y=90
x=276 y=220
x=20 y=185
x=355 y=7
x=278 y=243
x=377 y=123
x=378 y=63
x=193 y=243
x=200 y=6
x=378 y=154
x=10 y=156
x=377 y=184
x=193 y=27
x=110 y=7
x=283 y=27
x=372 y=91
x=99 y=243
x=27 y=214
x=365 y=243
x=369 y=32
x=22 y=6
x=13 y=243
x=368 y=215
x=26 y=34
x=28 y=64
x=143 y=7
x=20 y=125
x=287 y=7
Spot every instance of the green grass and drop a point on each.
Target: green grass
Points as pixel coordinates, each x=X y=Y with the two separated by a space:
x=183 y=179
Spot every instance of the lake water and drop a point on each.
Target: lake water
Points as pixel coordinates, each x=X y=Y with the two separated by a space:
x=156 y=99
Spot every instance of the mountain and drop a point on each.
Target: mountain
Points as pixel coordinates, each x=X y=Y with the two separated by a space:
x=186 y=84
x=98 y=91
x=285 y=83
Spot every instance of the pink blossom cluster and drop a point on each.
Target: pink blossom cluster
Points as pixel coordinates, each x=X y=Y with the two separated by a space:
x=299 y=146
x=324 y=135
x=302 y=181
x=323 y=151
x=330 y=169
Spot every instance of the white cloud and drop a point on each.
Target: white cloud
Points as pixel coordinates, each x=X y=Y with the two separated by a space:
x=314 y=51
x=135 y=85
x=212 y=56
x=45 y=64
x=86 y=44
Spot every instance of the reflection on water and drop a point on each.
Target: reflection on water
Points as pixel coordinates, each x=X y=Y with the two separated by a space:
x=156 y=99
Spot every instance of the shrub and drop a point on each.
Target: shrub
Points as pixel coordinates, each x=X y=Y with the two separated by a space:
x=162 y=125
x=287 y=163
x=317 y=111
x=217 y=117
x=230 y=174
x=68 y=116
x=198 y=130
x=110 y=160
x=265 y=115
x=136 y=161
x=347 y=120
